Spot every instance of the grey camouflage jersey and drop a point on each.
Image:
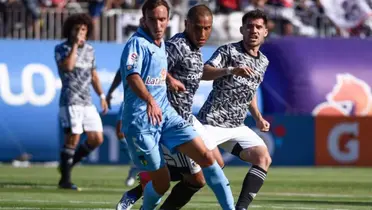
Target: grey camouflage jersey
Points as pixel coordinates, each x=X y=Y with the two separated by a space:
x=186 y=65
x=76 y=83
x=228 y=102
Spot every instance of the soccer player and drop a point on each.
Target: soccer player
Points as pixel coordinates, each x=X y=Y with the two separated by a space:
x=77 y=69
x=233 y=96
x=149 y=120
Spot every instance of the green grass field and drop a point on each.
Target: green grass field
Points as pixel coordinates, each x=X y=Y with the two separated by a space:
x=102 y=187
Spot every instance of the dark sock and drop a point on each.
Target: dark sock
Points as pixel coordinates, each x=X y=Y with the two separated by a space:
x=66 y=163
x=181 y=194
x=82 y=151
x=253 y=181
x=136 y=192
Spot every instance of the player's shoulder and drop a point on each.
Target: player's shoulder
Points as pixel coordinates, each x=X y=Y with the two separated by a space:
x=178 y=42
x=263 y=58
x=63 y=46
x=88 y=46
x=136 y=41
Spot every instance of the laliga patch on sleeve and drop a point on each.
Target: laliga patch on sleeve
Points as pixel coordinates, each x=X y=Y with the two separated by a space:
x=133 y=58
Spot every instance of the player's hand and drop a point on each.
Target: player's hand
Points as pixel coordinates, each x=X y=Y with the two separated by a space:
x=176 y=86
x=154 y=112
x=263 y=125
x=79 y=37
x=104 y=106
x=242 y=71
x=108 y=100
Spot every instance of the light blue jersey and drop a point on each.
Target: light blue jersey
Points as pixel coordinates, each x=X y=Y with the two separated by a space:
x=143 y=57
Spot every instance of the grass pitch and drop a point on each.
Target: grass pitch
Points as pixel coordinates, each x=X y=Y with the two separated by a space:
x=102 y=187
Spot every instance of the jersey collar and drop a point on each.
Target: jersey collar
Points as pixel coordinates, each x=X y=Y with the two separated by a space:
x=145 y=35
x=192 y=46
x=245 y=51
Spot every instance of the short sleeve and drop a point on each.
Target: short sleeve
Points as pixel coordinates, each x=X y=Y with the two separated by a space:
x=132 y=58
x=220 y=58
x=60 y=53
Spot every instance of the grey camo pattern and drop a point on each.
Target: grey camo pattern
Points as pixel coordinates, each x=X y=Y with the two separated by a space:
x=228 y=102
x=186 y=65
x=76 y=83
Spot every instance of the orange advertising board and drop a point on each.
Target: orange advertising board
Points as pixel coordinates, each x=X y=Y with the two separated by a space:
x=343 y=141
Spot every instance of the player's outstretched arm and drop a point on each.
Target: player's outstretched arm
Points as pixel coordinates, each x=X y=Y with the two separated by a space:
x=98 y=89
x=154 y=112
x=114 y=85
x=212 y=73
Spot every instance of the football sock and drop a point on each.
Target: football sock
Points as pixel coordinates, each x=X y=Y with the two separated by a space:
x=135 y=192
x=252 y=183
x=66 y=157
x=180 y=195
x=82 y=151
x=150 y=198
x=220 y=185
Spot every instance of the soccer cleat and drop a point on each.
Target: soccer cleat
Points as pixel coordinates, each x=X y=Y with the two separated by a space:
x=144 y=178
x=68 y=186
x=239 y=208
x=126 y=202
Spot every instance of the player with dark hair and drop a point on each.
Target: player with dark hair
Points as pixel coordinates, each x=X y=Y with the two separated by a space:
x=233 y=96
x=149 y=119
x=77 y=69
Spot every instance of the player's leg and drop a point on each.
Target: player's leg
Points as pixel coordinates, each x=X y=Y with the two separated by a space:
x=251 y=148
x=180 y=135
x=190 y=180
x=147 y=155
x=71 y=121
x=94 y=130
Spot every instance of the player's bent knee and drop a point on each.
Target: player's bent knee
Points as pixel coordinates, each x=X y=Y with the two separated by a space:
x=196 y=180
x=95 y=138
x=207 y=160
x=161 y=186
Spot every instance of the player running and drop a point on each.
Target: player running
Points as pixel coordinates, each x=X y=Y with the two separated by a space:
x=149 y=120
x=233 y=96
x=77 y=69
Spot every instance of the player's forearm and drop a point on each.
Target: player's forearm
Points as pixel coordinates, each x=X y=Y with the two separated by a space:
x=70 y=61
x=97 y=84
x=253 y=109
x=115 y=83
x=136 y=84
x=212 y=73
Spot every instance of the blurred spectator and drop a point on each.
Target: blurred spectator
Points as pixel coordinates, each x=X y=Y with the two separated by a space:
x=95 y=11
x=33 y=8
x=228 y=6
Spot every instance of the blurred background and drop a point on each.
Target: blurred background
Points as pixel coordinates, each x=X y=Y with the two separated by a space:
x=316 y=92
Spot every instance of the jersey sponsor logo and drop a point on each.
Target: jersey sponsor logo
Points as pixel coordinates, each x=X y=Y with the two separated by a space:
x=246 y=81
x=157 y=81
x=350 y=96
x=194 y=76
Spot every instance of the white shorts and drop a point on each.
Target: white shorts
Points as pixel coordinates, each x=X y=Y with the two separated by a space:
x=80 y=118
x=180 y=163
x=233 y=140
